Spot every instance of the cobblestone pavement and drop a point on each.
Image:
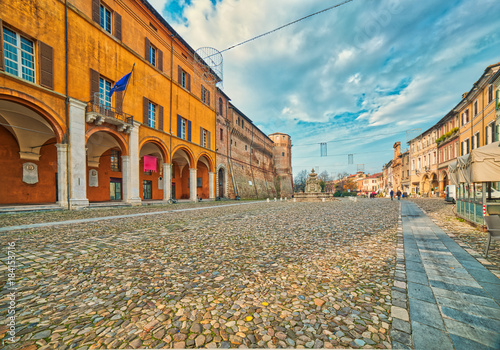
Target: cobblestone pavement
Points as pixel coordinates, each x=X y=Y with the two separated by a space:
x=443 y=215
x=62 y=215
x=261 y=275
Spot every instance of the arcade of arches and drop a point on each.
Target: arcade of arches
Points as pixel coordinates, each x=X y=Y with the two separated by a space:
x=429 y=184
x=101 y=165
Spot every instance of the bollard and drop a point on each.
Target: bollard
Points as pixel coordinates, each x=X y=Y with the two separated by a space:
x=294 y=200
x=281 y=199
x=268 y=200
x=322 y=199
x=275 y=199
x=285 y=199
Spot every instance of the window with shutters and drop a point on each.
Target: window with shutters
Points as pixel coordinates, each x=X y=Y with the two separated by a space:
x=105 y=22
x=184 y=79
x=183 y=129
x=490 y=133
x=205 y=95
x=476 y=108
x=152 y=115
x=152 y=55
x=242 y=124
x=204 y=138
x=221 y=134
x=104 y=89
x=465 y=117
x=19 y=55
x=220 y=106
x=490 y=93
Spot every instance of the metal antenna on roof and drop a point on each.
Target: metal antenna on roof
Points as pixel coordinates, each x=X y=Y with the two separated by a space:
x=209 y=65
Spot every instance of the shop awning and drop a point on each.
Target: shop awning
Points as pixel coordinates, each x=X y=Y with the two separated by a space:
x=481 y=165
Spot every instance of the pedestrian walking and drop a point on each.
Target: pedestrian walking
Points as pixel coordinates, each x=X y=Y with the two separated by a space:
x=398 y=193
x=392 y=194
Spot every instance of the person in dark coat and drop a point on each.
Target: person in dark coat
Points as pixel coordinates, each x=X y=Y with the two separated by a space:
x=398 y=193
x=392 y=194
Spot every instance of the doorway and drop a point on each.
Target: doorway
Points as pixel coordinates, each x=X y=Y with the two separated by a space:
x=221 y=182
x=147 y=188
x=115 y=189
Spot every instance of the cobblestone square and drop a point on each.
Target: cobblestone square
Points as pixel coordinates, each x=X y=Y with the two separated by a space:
x=266 y=275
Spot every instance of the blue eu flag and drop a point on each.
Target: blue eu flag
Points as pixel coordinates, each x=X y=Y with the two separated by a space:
x=121 y=84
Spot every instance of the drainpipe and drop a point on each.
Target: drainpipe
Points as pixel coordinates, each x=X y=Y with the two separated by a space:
x=170 y=127
x=66 y=135
x=216 y=175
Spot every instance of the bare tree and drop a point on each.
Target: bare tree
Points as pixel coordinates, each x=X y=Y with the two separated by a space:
x=299 y=181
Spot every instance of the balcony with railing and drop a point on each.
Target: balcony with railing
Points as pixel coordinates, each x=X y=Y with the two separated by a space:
x=98 y=112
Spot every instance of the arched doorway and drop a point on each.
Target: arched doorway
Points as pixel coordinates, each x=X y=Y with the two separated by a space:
x=425 y=185
x=434 y=183
x=181 y=163
x=152 y=157
x=105 y=167
x=205 y=177
x=221 y=182
x=29 y=156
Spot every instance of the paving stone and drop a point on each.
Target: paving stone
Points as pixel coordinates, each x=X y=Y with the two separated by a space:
x=420 y=292
x=425 y=337
x=291 y=268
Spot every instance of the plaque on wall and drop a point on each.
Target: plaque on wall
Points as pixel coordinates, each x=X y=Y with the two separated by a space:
x=30 y=173
x=93 y=178
x=160 y=183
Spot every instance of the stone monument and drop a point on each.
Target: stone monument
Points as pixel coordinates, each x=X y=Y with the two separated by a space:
x=312 y=191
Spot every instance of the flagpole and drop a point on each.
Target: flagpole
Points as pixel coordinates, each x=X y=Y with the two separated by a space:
x=126 y=87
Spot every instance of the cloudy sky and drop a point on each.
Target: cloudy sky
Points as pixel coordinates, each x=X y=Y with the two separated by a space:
x=359 y=77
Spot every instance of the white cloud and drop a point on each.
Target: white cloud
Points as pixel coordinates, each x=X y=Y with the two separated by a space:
x=372 y=68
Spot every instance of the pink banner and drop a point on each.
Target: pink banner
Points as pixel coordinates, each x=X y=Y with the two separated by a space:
x=150 y=163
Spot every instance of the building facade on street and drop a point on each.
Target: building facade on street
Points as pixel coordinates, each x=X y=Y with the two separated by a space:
x=448 y=146
x=478 y=112
x=405 y=172
x=424 y=164
x=66 y=139
x=250 y=164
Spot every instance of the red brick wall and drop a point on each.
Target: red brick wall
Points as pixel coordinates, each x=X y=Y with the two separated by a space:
x=104 y=173
x=12 y=188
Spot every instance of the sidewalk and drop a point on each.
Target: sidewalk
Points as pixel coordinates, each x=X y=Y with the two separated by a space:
x=454 y=301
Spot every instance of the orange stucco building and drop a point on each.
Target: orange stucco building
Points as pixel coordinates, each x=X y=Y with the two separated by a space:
x=59 y=124
x=63 y=137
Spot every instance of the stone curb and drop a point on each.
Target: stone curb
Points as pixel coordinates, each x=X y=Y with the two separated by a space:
x=401 y=335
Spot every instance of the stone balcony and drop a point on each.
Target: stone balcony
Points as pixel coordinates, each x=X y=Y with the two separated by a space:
x=98 y=114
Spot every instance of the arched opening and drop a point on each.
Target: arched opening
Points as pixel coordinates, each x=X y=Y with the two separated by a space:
x=221 y=182
x=152 y=157
x=28 y=156
x=202 y=184
x=181 y=162
x=434 y=184
x=425 y=186
x=443 y=183
x=104 y=167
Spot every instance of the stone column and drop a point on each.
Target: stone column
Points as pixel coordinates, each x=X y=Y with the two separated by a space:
x=77 y=176
x=126 y=178
x=131 y=174
x=211 y=182
x=192 y=185
x=62 y=174
x=167 y=181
